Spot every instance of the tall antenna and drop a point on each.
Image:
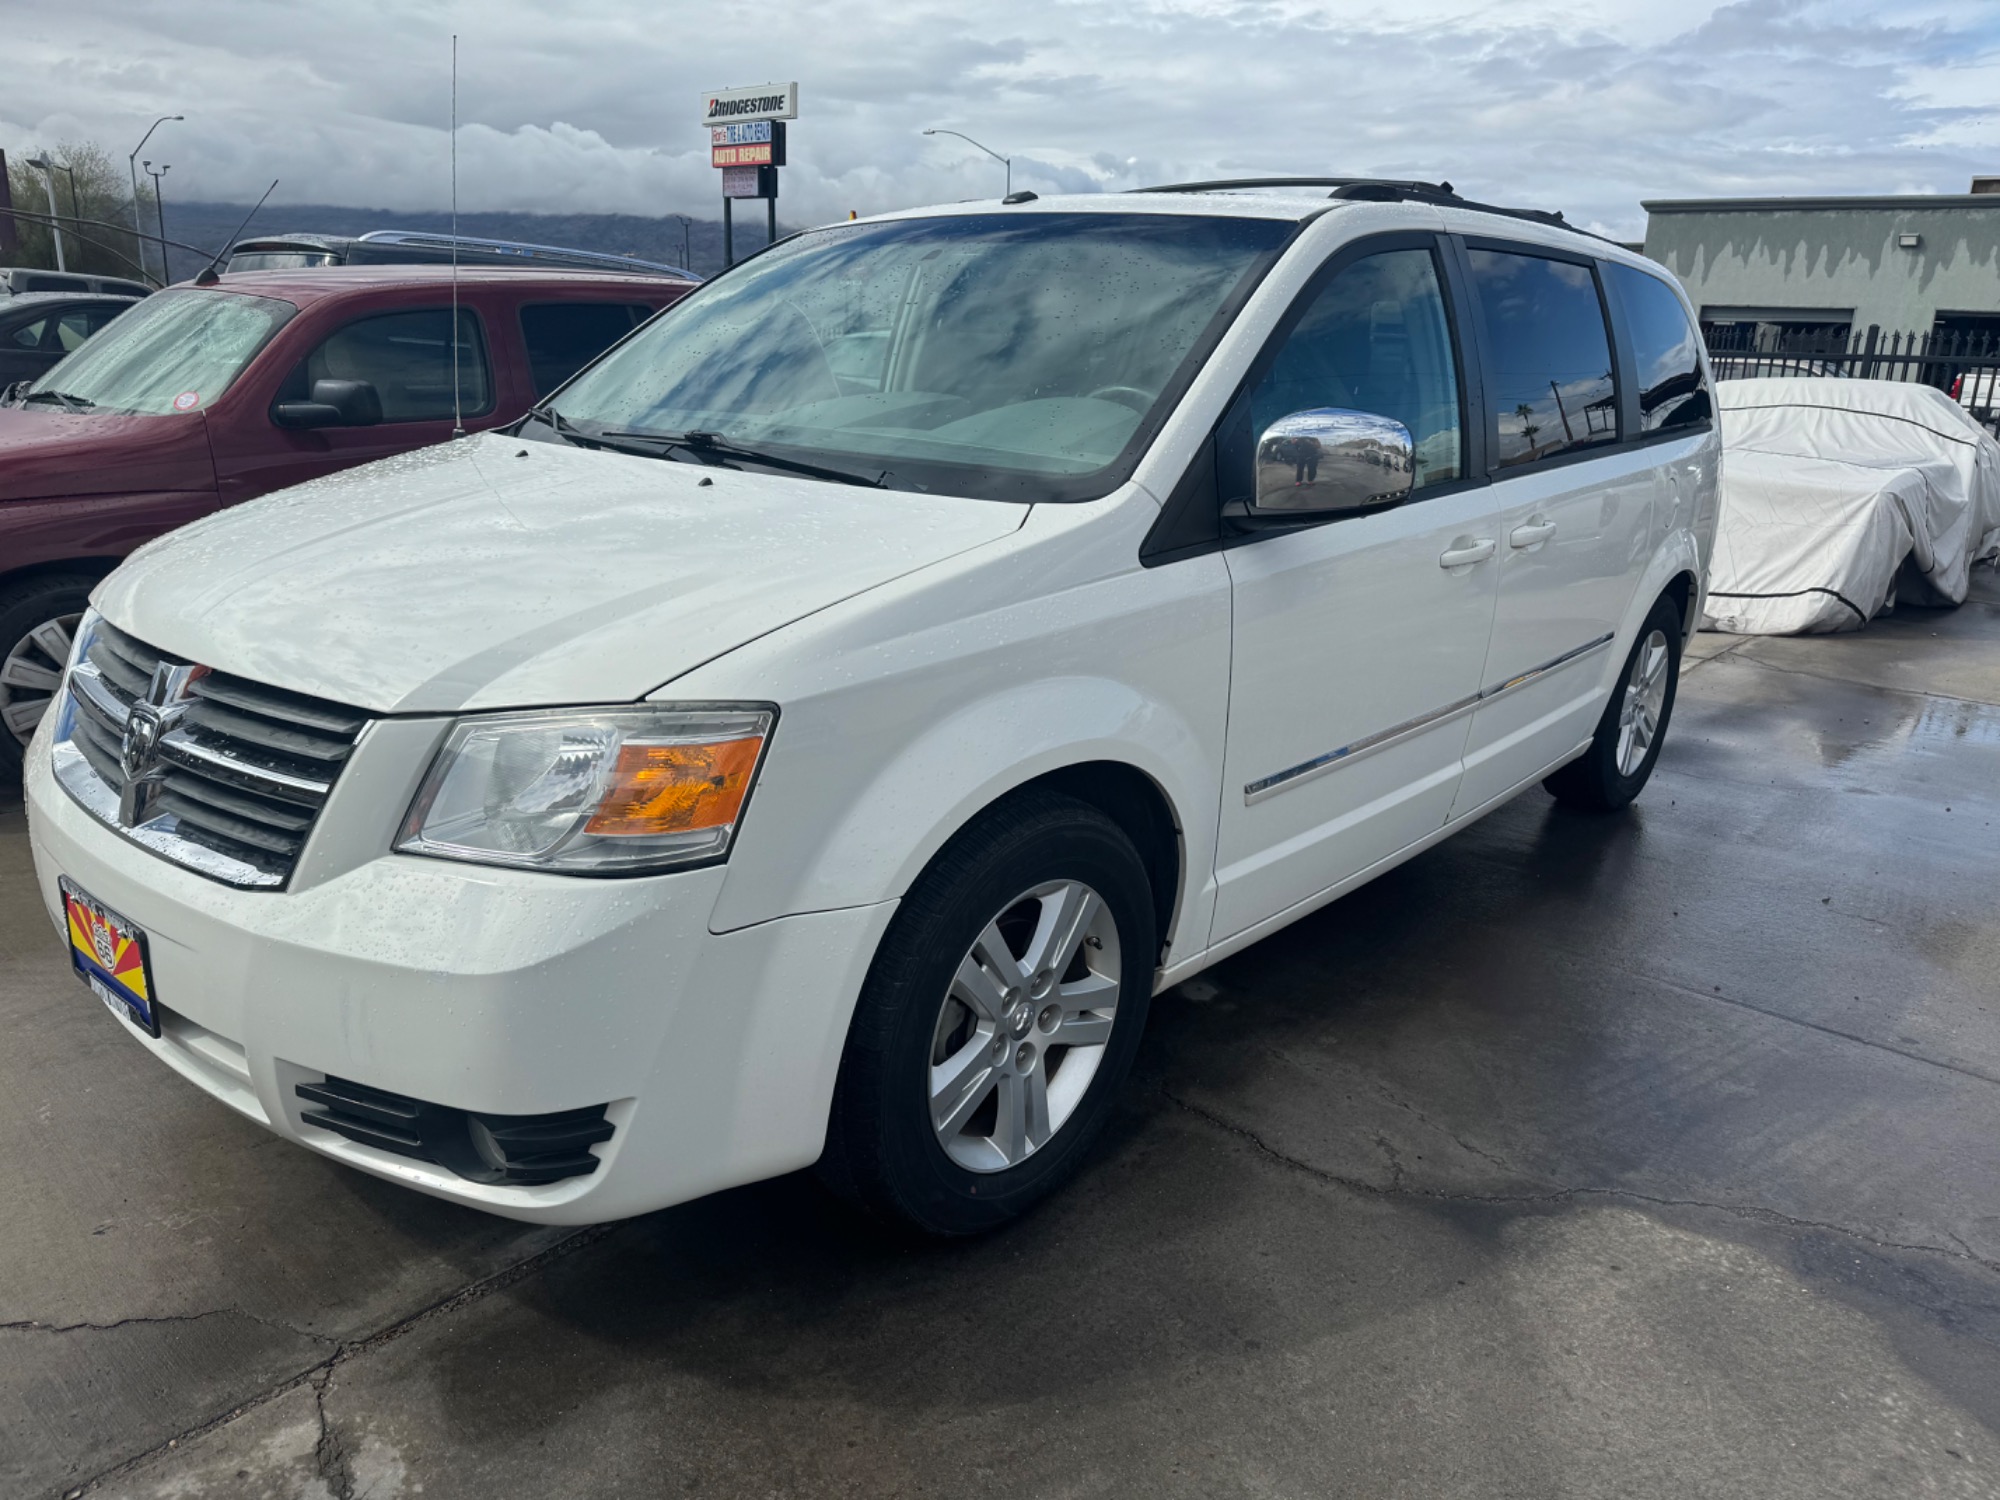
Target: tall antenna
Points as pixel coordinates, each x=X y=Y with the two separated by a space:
x=457 y=412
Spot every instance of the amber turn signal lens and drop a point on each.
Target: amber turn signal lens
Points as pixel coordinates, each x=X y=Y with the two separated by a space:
x=676 y=788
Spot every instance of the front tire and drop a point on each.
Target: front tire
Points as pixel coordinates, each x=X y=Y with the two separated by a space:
x=998 y=1020
x=1627 y=743
x=38 y=619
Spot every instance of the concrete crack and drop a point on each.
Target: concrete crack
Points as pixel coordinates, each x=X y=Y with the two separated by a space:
x=330 y=1453
x=1833 y=1031
x=36 y=1325
x=1398 y=1190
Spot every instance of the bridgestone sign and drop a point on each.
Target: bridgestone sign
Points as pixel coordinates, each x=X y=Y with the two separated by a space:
x=765 y=101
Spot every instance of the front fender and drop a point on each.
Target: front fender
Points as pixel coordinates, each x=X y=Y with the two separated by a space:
x=888 y=744
x=34 y=533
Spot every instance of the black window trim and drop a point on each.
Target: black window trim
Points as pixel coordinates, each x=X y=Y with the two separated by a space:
x=465 y=309
x=1190 y=523
x=1623 y=367
x=1628 y=363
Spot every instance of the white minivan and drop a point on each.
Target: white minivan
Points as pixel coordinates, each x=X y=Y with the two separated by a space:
x=816 y=733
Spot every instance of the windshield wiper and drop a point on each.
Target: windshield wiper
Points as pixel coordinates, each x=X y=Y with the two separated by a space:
x=569 y=432
x=705 y=443
x=62 y=398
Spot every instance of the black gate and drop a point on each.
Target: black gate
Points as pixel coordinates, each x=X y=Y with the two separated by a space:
x=1964 y=364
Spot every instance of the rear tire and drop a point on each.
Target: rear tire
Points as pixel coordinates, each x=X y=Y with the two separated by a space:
x=998 y=1020
x=1627 y=743
x=38 y=617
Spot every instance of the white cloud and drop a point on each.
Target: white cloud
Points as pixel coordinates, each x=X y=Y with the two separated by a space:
x=593 y=107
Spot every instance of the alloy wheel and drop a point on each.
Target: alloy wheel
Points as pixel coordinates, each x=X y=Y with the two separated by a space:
x=31 y=672
x=1645 y=700
x=1023 y=1026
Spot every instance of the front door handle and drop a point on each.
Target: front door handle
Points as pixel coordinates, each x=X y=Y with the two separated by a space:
x=1531 y=534
x=1464 y=552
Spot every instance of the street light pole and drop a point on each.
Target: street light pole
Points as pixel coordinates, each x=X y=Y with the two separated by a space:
x=160 y=212
x=138 y=228
x=687 y=242
x=55 y=215
x=1005 y=161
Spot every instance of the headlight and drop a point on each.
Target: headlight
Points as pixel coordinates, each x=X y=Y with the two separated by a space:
x=590 y=791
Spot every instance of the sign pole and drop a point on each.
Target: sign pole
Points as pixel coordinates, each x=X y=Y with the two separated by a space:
x=746 y=137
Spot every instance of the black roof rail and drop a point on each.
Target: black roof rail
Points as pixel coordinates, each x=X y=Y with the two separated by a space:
x=1379 y=190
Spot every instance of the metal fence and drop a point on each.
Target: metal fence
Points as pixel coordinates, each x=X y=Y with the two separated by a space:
x=1964 y=365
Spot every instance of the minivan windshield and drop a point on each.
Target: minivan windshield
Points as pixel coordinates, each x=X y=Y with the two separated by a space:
x=175 y=352
x=1018 y=356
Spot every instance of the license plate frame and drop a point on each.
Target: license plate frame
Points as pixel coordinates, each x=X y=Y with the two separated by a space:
x=109 y=953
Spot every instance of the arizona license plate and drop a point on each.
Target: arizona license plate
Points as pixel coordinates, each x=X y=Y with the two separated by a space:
x=109 y=955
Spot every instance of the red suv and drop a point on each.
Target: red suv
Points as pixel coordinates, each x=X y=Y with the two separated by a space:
x=202 y=396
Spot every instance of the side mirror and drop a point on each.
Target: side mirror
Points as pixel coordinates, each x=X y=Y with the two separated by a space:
x=1329 y=460
x=335 y=403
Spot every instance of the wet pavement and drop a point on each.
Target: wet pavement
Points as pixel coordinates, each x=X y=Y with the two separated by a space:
x=1644 y=1156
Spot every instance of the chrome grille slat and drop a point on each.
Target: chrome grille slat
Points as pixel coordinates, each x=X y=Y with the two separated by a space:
x=293 y=819
x=266 y=734
x=220 y=824
x=280 y=706
x=118 y=674
x=261 y=775
x=99 y=701
x=100 y=752
x=232 y=787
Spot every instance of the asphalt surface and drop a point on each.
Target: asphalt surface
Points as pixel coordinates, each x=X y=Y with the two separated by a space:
x=1643 y=1156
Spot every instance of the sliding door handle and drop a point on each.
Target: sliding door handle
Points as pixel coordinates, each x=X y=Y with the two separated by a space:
x=1464 y=551
x=1532 y=534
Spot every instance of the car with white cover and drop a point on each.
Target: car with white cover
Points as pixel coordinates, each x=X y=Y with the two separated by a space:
x=1842 y=498
x=816 y=732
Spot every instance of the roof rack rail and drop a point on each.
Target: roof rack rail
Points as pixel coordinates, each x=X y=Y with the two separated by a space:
x=1378 y=190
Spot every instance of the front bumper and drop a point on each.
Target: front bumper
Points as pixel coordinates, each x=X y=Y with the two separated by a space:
x=495 y=991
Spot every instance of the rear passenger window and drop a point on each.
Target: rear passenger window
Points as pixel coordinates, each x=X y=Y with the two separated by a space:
x=28 y=335
x=1549 y=353
x=75 y=327
x=563 y=337
x=407 y=357
x=1667 y=349
x=1375 y=339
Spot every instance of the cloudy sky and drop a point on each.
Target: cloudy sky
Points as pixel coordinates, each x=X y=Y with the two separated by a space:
x=591 y=105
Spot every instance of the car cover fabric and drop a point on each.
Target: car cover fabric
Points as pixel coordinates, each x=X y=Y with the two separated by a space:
x=1836 y=493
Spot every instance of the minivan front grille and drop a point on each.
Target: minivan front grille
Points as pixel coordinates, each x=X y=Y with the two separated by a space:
x=227 y=774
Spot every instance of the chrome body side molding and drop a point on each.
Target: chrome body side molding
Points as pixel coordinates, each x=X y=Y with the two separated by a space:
x=1319 y=765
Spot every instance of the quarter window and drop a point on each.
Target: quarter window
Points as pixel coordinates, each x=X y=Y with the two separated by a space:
x=1666 y=348
x=1549 y=354
x=76 y=327
x=407 y=357
x=563 y=337
x=1375 y=339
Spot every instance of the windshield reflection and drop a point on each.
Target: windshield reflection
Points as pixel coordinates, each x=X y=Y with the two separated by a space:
x=1008 y=356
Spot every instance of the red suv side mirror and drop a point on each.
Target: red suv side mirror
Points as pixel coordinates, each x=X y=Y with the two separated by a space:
x=335 y=403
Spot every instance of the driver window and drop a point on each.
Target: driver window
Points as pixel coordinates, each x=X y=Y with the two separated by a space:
x=407 y=357
x=1375 y=339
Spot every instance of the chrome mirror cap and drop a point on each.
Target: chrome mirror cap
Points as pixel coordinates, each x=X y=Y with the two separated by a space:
x=1330 y=460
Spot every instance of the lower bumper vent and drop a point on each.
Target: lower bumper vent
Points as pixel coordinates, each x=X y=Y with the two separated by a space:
x=514 y=1150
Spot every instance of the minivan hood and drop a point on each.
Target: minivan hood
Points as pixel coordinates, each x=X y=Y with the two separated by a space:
x=495 y=573
x=47 y=453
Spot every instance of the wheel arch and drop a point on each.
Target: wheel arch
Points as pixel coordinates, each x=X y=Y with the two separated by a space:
x=1143 y=812
x=95 y=568
x=1684 y=589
